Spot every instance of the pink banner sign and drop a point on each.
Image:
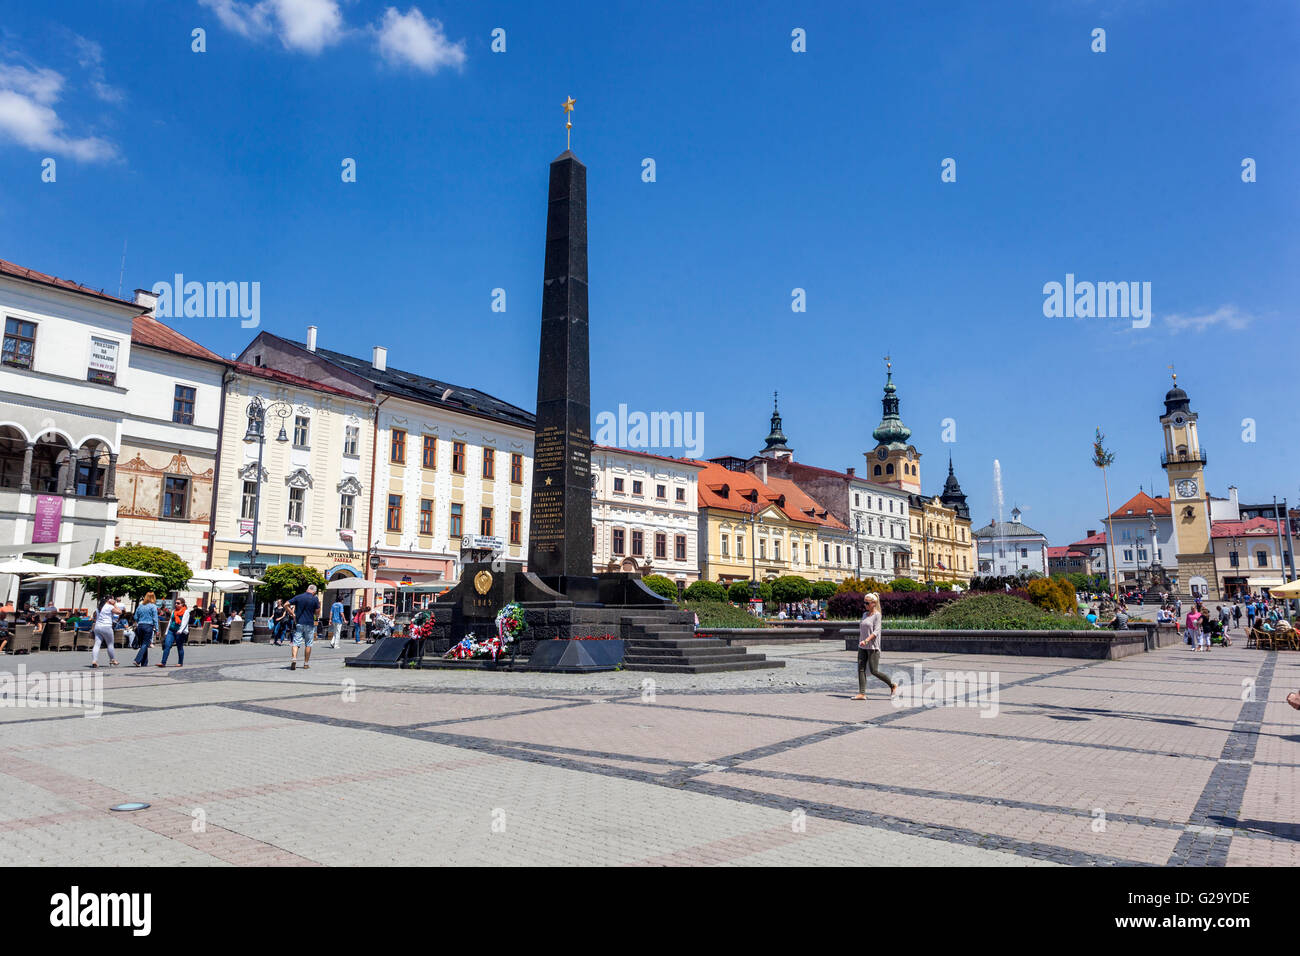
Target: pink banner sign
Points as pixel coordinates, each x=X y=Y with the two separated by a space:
x=48 y=519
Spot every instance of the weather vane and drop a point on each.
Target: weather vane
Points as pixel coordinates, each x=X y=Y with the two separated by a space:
x=1173 y=373
x=568 y=122
x=889 y=365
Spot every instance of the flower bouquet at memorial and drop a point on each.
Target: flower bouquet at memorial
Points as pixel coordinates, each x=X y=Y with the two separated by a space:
x=421 y=626
x=510 y=623
x=471 y=648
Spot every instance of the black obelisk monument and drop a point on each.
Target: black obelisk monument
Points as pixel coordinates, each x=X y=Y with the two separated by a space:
x=559 y=523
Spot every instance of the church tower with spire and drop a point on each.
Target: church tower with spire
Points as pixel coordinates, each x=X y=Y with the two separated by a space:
x=894 y=462
x=774 y=445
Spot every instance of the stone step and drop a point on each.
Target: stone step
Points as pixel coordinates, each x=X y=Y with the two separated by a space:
x=710 y=668
x=684 y=653
x=674 y=642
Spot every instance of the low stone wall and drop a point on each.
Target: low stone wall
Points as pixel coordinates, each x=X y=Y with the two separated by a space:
x=1092 y=645
x=755 y=636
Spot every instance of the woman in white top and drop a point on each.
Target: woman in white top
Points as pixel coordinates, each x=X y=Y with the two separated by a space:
x=103 y=630
x=869 y=647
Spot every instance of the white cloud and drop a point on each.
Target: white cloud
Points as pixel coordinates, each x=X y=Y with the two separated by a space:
x=90 y=55
x=1228 y=316
x=306 y=25
x=27 y=116
x=43 y=86
x=412 y=40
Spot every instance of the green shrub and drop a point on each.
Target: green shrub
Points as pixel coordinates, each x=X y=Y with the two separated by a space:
x=903 y=584
x=706 y=591
x=739 y=591
x=722 y=614
x=661 y=585
x=791 y=589
x=288 y=580
x=822 y=590
x=1001 y=612
x=173 y=573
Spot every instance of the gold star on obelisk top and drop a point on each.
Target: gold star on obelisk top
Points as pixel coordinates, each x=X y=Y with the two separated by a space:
x=568 y=121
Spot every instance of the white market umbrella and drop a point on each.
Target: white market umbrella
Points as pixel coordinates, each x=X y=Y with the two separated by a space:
x=20 y=567
x=350 y=584
x=99 y=569
x=1290 y=590
x=27 y=566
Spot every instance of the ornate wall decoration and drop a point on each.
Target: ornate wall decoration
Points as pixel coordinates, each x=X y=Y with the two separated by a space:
x=250 y=469
x=299 y=478
x=349 y=486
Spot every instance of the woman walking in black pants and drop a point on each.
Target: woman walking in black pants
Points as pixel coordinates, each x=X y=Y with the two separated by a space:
x=869 y=647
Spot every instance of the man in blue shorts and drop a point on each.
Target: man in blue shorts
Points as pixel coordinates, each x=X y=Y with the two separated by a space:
x=305 y=609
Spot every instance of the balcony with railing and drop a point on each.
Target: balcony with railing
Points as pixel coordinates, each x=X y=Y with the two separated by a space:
x=1180 y=457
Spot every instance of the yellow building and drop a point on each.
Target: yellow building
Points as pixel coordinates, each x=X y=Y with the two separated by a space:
x=314 y=503
x=1189 y=501
x=940 y=528
x=748 y=529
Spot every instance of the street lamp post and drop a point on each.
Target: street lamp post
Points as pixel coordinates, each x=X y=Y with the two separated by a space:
x=257 y=411
x=753 y=550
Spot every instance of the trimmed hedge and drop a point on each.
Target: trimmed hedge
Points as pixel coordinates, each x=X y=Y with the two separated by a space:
x=1002 y=612
x=738 y=593
x=661 y=586
x=722 y=614
x=706 y=591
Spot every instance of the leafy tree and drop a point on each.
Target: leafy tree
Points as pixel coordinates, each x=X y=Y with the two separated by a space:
x=739 y=591
x=288 y=580
x=706 y=591
x=173 y=573
x=661 y=585
x=822 y=590
x=791 y=589
x=856 y=586
x=905 y=584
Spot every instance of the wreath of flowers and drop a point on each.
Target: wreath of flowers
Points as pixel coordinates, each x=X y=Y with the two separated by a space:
x=510 y=623
x=471 y=648
x=421 y=626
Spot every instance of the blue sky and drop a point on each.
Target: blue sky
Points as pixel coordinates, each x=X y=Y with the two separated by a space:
x=775 y=170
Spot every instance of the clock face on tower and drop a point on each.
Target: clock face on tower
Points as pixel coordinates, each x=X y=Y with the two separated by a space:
x=1186 y=488
x=882 y=453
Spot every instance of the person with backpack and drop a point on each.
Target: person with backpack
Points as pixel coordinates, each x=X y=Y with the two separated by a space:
x=178 y=630
x=105 y=617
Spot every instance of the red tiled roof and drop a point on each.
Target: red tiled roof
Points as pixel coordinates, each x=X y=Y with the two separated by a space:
x=644 y=454
x=1229 y=529
x=800 y=505
x=1095 y=541
x=737 y=485
x=1064 y=551
x=22 y=272
x=1138 y=505
x=288 y=378
x=146 y=330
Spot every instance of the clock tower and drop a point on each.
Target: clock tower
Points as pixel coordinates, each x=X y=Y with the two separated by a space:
x=893 y=462
x=1189 y=502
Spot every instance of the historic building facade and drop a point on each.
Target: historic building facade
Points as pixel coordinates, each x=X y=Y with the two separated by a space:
x=749 y=529
x=63 y=399
x=942 y=548
x=167 y=468
x=1010 y=547
x=315 y=481
x=450 y=463
x=645 y=514
x=1145 y=549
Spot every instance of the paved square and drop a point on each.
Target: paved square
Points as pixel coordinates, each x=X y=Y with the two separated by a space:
x=1166 y=758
